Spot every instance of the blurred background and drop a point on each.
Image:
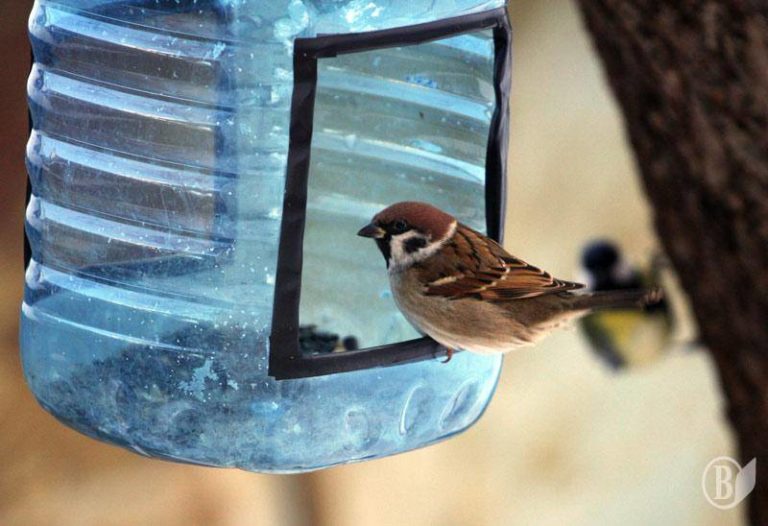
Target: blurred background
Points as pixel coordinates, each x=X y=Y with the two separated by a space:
x=564 y=441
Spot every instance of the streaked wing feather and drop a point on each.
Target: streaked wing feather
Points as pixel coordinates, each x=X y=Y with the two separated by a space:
x=472 y=265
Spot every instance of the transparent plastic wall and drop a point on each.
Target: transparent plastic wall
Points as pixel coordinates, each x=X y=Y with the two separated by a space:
x=392 y=124
x=157 y=161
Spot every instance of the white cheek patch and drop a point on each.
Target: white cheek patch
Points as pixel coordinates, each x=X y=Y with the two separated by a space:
x=401 y=259
x=623 y=272
x=399 y=256
x=586 y=277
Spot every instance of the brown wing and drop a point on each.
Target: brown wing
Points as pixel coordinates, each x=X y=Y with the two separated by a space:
x=472 y=265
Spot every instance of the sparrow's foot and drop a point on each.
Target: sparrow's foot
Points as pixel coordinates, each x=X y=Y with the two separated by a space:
x=448 y=355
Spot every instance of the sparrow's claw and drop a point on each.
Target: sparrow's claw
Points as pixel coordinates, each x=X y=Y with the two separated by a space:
x=448 y=355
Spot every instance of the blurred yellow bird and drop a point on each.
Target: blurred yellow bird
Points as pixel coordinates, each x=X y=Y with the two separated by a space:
x=623 y=339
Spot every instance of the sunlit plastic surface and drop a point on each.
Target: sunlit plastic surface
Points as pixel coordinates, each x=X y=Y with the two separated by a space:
x=157 y=163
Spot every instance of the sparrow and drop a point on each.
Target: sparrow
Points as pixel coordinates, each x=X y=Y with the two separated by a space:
x=623 y=339
x=466 y=292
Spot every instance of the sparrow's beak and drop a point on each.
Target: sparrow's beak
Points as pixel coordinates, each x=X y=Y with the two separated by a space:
x=371 y=230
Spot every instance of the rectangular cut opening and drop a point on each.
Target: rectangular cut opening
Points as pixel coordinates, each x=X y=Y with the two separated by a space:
x=390 y=124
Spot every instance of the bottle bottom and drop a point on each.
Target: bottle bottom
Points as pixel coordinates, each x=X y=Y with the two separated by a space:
x=203 y=396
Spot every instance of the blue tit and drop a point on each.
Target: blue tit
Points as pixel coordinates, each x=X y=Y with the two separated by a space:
x=623 y=339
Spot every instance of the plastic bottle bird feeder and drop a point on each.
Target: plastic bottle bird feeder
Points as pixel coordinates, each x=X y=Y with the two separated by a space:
x=199 y=170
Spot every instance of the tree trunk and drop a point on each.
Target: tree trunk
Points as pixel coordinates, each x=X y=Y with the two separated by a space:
x=692 y=79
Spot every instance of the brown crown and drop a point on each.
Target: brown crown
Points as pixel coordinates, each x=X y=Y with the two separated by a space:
x=428 y=219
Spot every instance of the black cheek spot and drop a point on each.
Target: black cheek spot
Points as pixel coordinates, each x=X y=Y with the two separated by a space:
x=415 y=243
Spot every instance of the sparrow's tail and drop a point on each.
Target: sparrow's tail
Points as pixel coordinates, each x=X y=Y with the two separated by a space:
x=618 y=299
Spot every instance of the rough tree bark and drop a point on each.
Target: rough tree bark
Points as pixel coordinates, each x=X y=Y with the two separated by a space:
x=691 y=77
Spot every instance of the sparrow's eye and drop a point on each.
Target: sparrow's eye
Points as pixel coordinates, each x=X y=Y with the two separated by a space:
x=400 y=226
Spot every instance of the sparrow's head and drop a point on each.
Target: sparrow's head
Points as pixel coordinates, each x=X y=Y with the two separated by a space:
x=605 y=268
x=409 y=232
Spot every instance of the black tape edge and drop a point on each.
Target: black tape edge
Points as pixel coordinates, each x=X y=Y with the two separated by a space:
x=285 y=358
x=30 y=125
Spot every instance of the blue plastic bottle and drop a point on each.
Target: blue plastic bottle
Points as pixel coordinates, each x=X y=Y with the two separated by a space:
x=157 y=161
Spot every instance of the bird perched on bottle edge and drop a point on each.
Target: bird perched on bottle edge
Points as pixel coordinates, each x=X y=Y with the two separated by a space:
x=629 y=338
x=466 y=292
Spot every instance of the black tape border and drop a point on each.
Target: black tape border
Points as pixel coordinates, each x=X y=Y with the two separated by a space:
x=285 y=359
x=28 y=198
